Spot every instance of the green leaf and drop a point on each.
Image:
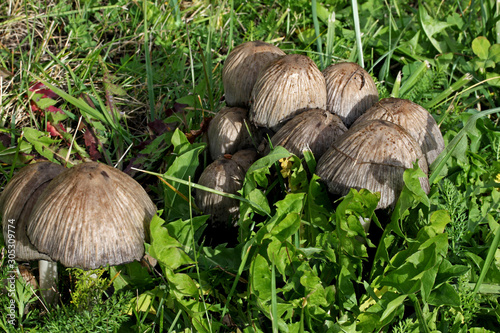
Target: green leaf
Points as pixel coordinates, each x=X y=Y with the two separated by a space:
x=42 y=142
x=480 y=47
x=444 y=295
x=287 y=227
x=182 y=283
x=439 y=220
x=392 y=306
x=431 y=26
x=260 y=278
x=183 y=167
x=494 y=53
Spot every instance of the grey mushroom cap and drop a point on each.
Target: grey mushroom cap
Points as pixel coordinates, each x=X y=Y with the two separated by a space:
x=288 y=86
x=245 y=158
x=414 y=118
x=224 y=175
x=315 y=130
x=242 y=67
x=350 y=91
x=230 y=131
x=17 y=201
x=372 y=155
x=91 y=215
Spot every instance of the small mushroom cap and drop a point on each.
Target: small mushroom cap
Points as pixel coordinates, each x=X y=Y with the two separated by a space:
x=372 y=155
x=350 y=91
x=17 y=201
x=222 y=175
x=241 y=68
x=315 y=129
x=91 y=215
x=287 y=87
x=415 y=119
x=228 y=132
x=245 y=158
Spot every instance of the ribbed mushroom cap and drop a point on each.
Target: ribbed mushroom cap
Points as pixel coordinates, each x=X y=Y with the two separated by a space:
x=228 y=132
x=17 y=201
x=350 y=91
x=241 y=68
x=415 y=119
x=315 y=129
x=91 y=215
x=287 y=87
x=222 y=175
x=372 y=155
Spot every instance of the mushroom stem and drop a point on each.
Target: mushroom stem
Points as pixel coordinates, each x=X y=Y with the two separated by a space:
x=48 y=280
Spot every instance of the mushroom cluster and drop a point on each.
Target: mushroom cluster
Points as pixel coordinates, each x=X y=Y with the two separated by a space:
x=359 y=141
x=87 y=216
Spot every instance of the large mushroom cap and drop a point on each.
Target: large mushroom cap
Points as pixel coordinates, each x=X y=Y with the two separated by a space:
x=17 y=201
x=91 y=215
x=372 y=155
x=315 y=129
x=350 y=91
x=241 y=68
x=414 y=119
x=287 y=87
x=230 y=131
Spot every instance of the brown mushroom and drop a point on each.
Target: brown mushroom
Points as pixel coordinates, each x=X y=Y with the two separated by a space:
x=16 y=203
x=241 y=68
x=315 y=130
x=91 y=215
x=372 y=155
x=350 y=91
x=414 y=119
x=225 y=174
x=288 y=86
x=230 y=131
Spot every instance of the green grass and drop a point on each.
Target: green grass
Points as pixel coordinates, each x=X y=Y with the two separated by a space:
x=127 y=74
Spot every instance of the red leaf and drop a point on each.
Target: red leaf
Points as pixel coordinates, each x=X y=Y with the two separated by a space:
x=91 y=143
x=53 y=131
x=54 y=109
x=40 y=88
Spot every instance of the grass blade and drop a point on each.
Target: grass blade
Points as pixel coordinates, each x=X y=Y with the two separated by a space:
x=355 y=15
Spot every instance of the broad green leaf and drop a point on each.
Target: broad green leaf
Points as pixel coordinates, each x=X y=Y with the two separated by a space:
x=444 y=295
x=42 y=142
x=260 y=278
x=439 y=220
x=182 y=283
x=494 y=53
x=183 y=167
x=392 y=306
x=293 y=202
x=480 y=47
x=182 y=231
x=286 y=227
x=431 y=26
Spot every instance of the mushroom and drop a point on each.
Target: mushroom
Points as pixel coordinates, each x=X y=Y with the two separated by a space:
x=225 y=174
x=230 y=131
x=350 y=91
x=414 y=119
x=91 y=215
x=241 y=68
x=288 y=86
x=315 y=130
x=16 y=203
x=372 y=155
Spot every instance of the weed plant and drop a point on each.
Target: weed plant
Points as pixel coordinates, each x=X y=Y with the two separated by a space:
x=133 y=84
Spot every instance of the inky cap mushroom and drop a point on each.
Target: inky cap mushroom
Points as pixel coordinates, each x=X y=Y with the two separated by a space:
x=91 y=215
x=228 y=132
x=414 y=119
x=372 y=155
x=17 y=201
x=287 y=87
x=315 y=129
x=350 y=91
x=241 y=68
